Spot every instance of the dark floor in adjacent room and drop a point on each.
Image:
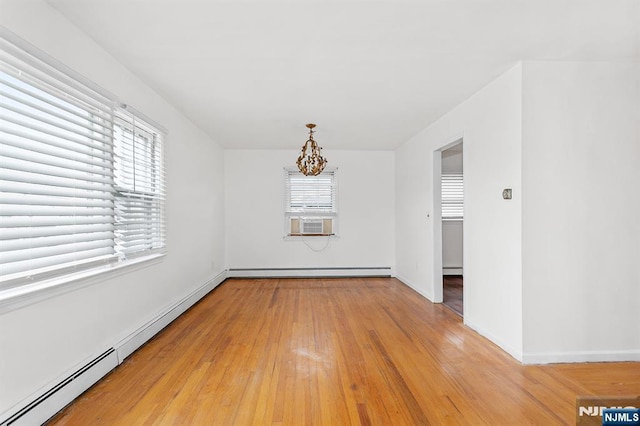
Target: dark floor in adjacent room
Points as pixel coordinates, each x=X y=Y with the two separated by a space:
x=452 y=292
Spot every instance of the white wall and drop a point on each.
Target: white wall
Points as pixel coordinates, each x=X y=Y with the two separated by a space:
x=452 y=159
x=581 y=221
x=255 y=206
x=452 y=247
x=554 y=272
x=40 y=342
x=490 y=123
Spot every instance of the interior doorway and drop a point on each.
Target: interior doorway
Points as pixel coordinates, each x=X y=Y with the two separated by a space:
x=452 y=202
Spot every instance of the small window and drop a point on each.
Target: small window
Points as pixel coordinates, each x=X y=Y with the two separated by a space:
x=452 y=196
x=310 y=203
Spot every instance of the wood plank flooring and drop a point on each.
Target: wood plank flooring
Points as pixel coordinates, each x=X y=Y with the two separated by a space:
x=452 y=292
x=333 y=352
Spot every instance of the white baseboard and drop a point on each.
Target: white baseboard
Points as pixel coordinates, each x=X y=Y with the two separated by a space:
x=415 y=288
x=383 y=271
x=55 y=396
x=583 y=356
x=43 y=405
x=451 y=270
x=495 y=340
x=129 y=344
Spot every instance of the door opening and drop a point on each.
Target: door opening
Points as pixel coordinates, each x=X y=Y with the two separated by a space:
x=452 y=215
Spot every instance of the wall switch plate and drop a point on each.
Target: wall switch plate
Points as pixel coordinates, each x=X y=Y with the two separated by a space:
x=507 y=194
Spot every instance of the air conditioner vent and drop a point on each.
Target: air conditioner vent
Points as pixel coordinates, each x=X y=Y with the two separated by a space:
x=311 y=226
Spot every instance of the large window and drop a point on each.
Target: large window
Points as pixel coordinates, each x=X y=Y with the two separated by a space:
x=311 y=203
x=81 y=180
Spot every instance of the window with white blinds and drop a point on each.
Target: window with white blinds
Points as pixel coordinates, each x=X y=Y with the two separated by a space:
x=139 y=186
x=311 y=198
x=66 y=167
x=452 y=196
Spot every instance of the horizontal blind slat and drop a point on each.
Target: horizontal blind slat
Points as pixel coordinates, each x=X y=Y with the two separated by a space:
x=18 y=233
x=24 y=110
x=33 y=265
x=47 y=241
x=50 y=251
x=56 y=133
x=42 y=98
x=22 y=153
x=27 y=137
x=31 y=188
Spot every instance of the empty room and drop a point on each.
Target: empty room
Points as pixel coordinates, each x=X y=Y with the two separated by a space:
x=319 y=212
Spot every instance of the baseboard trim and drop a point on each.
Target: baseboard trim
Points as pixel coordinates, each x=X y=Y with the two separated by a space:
x=384 y=271
x=452 y=270
x=415 y=288
x=583 y=356
x=45 y=403
x=517 y=355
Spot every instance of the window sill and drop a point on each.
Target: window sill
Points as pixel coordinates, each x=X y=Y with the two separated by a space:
x=18 y=297
x=311 y=235
x=302 y=237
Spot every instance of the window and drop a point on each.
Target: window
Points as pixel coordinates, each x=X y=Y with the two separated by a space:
x=77 y=190
x=452 y=196
x=310 y=203
x=139 y=186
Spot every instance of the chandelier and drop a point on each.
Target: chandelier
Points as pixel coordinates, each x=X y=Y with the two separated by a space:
x=311 y=162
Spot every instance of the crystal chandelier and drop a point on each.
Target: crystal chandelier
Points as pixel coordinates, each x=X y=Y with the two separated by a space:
x=311 y=162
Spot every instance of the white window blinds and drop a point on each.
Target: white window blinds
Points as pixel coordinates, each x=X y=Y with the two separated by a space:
x=139 y=183
x=62 y=207
x=310 y=195
x=452 y=196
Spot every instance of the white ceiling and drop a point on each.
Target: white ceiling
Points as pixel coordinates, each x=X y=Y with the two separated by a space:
x=370 y=74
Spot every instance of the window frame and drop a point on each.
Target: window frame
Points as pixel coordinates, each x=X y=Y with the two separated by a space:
x=325 y=210
x=139 y=186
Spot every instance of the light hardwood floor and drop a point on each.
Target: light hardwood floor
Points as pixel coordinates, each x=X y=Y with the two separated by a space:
x=334 y=352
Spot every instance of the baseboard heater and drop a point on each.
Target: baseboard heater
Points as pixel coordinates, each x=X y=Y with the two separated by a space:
x=61 y=394
x=383 y=271
x=41 y=406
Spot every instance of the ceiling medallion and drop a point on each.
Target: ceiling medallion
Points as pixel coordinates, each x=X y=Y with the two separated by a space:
x=311 y=162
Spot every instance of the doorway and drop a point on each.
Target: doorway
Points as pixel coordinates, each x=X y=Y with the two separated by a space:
x=452 y=202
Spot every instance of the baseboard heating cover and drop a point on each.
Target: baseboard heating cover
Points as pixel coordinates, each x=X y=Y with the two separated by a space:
x=58 y=396
x=46 y=403
x=382 y=271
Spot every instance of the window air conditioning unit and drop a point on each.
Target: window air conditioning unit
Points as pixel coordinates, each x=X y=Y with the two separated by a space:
x=311 y=226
